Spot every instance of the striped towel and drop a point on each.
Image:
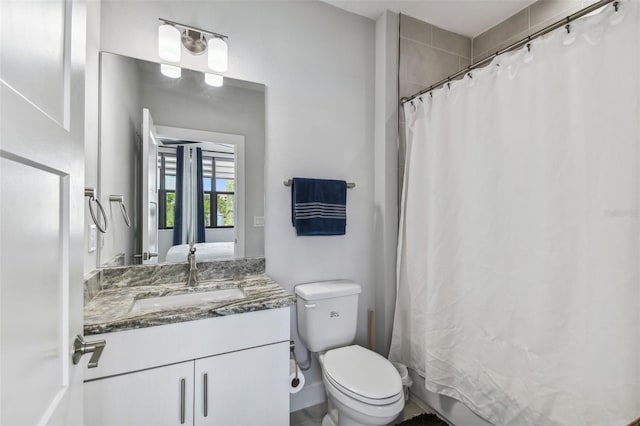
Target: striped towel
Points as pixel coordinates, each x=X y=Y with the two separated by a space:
x=319 y=206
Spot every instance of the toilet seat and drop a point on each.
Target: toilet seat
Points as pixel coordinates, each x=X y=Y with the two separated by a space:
x=362 y=375
x=364 y=413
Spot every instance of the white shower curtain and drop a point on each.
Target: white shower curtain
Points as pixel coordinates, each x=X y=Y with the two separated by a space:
x=519 y=253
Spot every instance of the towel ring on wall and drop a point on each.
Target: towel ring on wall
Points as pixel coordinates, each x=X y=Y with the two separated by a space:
x=123 y=209
x=91 y=193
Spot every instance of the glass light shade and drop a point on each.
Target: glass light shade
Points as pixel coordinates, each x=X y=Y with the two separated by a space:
x=169 y=47
x=170 y=71
x=218 y=58
x=213 y=79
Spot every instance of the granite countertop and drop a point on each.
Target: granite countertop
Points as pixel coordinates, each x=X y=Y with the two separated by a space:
x=109 y=310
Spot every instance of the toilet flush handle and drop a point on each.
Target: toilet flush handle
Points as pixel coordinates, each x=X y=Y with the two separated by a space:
x=310 y=305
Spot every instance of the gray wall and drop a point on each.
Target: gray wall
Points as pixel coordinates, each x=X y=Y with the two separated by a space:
x=427 y=55
x=524 y=23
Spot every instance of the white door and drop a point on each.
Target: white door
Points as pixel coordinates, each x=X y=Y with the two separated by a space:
x=243 y=388
x=149 y=189
x=158 y=396
x=41 y=210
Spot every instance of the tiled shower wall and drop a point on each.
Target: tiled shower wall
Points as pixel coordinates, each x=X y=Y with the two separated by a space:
x=524 y=23
x=427 y=55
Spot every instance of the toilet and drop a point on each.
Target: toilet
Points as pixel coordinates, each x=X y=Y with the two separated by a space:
x=363 y=388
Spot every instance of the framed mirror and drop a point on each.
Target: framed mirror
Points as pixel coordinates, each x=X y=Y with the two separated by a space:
x=180 y=162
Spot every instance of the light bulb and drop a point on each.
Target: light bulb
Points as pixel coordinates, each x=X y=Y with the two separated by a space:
x=213 y=79
x=170 y=71
x=169 y=47
x=218 y=51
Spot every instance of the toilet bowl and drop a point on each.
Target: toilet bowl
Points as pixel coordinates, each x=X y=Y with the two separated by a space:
x=363 y=388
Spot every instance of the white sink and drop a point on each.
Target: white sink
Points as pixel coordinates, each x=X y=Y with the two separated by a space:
x=187 y=299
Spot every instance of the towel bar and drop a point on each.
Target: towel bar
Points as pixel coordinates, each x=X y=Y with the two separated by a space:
x=289 y=182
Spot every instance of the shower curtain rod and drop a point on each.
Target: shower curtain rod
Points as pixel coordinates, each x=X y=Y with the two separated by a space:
x=563 y=22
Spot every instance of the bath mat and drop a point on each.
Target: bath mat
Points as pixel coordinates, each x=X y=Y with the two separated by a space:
x=423 y=420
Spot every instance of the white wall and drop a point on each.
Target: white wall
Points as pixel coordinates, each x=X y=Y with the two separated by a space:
x=386 y=176
x=120 y=123
x=317 y=62
x=91 y=130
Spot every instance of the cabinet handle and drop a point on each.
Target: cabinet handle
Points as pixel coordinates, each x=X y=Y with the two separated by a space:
x=182 y=402
x=206 y=398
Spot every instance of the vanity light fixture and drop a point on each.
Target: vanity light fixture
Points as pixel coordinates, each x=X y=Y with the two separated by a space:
x=214 y=80
x=195 y=40
x=170 y=71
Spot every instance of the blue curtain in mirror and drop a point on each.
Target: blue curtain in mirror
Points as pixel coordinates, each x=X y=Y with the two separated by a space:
x=200 y=229
x=177 y=213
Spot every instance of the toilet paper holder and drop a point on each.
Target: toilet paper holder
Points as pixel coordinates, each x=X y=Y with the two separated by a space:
x=292 y=347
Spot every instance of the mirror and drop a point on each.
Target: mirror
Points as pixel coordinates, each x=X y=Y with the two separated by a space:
x=183 y=160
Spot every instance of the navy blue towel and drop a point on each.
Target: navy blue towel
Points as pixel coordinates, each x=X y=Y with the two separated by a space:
x=319 y=206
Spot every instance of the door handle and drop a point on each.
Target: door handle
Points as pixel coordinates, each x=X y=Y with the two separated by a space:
x=80 y=347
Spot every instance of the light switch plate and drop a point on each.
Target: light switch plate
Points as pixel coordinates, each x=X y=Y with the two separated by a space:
x=93 y=238
x=258 y=221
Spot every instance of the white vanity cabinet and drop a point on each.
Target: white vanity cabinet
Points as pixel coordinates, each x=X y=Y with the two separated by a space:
x=151 y=397
x=236 y=388
x=156 y=375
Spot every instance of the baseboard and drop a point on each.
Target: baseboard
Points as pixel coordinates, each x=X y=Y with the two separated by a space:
x=311 y=394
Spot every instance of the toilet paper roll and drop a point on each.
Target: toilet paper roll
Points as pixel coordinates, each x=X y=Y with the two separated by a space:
x=295 y=387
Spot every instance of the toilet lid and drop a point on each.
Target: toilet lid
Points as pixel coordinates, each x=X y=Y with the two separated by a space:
x=362 y=372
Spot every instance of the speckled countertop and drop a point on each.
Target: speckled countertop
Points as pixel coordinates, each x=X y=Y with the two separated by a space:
x=110 y=309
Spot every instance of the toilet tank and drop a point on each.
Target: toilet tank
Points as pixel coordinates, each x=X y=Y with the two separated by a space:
x=327 y=313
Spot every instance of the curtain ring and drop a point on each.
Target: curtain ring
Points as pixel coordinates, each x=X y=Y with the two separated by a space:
x=102 y=229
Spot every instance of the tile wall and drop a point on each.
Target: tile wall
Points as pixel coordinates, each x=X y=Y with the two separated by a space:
x=526 y=22
x=427 y=55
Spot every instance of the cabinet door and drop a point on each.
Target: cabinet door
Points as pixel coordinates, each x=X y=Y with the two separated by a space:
x=244 y=388
x=158 y=396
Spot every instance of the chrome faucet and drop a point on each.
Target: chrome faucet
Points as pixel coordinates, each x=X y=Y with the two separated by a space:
x=192 y=278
